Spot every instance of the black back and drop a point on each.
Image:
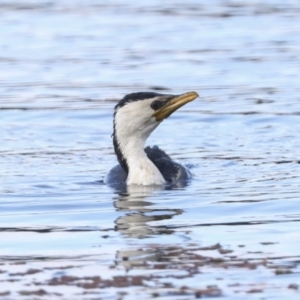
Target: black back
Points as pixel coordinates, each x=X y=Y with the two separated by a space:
x=163 y=162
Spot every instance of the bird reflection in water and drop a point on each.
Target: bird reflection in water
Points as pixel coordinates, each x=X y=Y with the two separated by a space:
x=134 y=202
x=137 y=221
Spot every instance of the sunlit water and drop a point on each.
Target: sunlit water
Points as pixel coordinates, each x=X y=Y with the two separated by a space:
x=232 y=232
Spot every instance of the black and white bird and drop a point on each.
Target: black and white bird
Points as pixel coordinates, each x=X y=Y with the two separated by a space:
x=135 y=118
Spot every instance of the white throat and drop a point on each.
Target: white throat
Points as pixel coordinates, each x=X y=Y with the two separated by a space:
x=141 y=170
x=132 y=138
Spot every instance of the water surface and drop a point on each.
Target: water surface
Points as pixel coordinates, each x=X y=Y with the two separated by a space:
x=232 y=232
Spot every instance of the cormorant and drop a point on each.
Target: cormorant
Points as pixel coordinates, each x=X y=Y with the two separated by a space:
x=135 y=117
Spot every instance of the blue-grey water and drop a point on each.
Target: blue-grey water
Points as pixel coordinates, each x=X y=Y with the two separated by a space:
x=232 y=232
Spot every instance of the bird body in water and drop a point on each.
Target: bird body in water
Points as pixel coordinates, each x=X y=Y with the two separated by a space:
x=135 y=118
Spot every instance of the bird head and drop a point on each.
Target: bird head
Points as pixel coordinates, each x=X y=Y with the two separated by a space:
x=139 y=114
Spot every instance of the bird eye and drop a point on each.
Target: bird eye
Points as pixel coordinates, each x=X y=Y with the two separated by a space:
x=155 y=105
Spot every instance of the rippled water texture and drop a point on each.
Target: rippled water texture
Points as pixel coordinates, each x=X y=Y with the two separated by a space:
x=233 y=232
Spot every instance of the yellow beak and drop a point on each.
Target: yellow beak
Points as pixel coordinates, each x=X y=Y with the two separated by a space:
x=173 y=105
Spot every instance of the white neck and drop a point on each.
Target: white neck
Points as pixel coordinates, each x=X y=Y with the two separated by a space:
x=141 y=170
x=133 y=125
